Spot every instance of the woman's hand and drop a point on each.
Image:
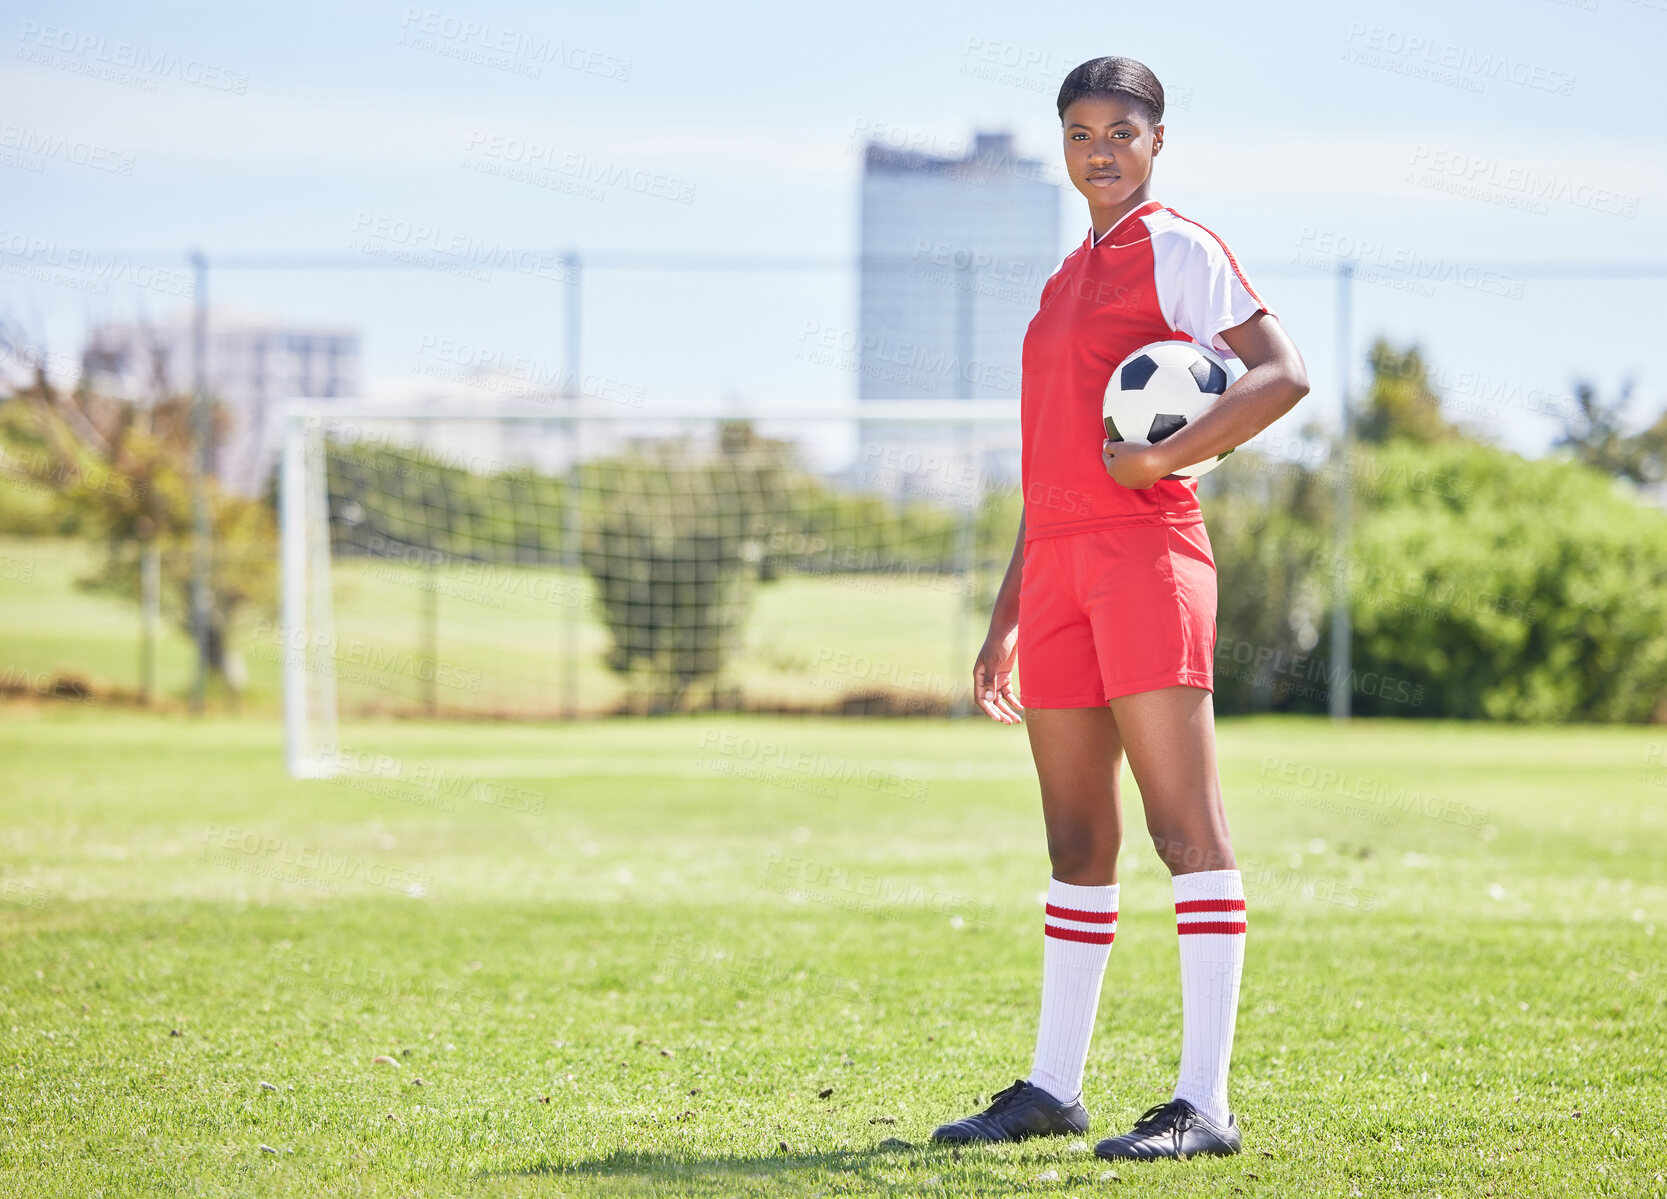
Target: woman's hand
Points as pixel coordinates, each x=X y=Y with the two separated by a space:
x=1134 y=466
x=992 y=678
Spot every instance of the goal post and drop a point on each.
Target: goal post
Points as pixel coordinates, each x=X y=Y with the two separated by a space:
x=305 y=614
x=548 y=560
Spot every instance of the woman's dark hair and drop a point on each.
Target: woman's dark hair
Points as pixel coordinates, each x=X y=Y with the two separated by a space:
x=1114 y=76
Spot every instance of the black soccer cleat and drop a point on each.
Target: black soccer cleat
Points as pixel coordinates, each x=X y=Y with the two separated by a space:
x=1173 y=1129
x=1017 y=1113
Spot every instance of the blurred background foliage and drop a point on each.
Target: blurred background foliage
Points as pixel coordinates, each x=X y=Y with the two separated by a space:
x=1479 y=584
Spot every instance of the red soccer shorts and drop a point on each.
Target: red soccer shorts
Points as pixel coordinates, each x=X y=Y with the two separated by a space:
x=1110 y=612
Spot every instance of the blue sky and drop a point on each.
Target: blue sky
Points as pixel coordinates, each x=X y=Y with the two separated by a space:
x=1394 y=133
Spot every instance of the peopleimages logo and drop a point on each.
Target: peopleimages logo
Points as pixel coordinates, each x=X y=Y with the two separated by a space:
x=530 y=161
x=1391 y=798
x=1426 y=57
x=1410 y=262
x=75 y=151
x=37 y=256
x=469 y=40
x=1516 y=185
x=732 y=750
x=303 y=863
x=457 y=250
x=41 y=42
x=880 y=355
x=355 y=659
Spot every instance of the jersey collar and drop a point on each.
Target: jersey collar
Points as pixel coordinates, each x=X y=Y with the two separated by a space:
x=1133 y=213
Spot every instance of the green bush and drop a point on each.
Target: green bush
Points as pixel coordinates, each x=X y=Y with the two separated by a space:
x=1517 y=590
x=383 y=502
x=672 y=547
x=1267 y=521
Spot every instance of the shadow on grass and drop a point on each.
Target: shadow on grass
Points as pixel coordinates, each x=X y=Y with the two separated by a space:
x=889 y=1168
x=688 y=1174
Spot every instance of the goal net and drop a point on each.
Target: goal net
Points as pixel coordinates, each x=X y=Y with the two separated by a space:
x=535 y=561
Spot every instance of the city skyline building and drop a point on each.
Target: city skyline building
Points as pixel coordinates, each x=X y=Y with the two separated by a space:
x=954 y=253
x=253 y=361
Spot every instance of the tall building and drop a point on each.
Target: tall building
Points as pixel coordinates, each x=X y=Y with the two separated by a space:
x=954 y=255
x=253 y=361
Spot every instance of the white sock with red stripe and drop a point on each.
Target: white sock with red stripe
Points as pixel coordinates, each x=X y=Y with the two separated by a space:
x=1210 y=918
x=1080 y=925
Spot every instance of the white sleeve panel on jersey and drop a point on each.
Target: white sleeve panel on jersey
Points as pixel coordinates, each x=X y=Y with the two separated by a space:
x=1200 y=291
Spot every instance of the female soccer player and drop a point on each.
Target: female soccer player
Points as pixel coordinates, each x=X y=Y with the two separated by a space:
x=1109 y=603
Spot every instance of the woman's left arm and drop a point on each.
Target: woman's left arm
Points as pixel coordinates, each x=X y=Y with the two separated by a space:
x=1274 y=380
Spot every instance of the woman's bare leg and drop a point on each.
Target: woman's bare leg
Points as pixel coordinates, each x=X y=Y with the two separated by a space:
x=1169 y=735
x=1079 y=762
x=1079 y=758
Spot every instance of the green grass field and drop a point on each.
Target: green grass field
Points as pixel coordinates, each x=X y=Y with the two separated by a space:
x=499 y=634
x=721 y=957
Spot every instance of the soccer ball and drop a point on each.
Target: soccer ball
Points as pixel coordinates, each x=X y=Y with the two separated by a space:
x=1158 y=389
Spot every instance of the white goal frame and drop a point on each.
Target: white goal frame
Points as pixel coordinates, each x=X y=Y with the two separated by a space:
x=305 y=616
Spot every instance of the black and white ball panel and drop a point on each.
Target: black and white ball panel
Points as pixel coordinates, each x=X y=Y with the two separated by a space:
x=1137 y=371
x=1163 y=424
x=1157 y=389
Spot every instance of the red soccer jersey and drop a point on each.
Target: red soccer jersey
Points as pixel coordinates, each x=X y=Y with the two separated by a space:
x=1153 y=276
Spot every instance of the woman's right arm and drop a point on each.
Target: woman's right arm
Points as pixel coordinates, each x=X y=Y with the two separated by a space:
x=992 y=674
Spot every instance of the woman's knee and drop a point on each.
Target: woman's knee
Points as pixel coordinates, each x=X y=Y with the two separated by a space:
x=1184 y=855
x=1083 y=851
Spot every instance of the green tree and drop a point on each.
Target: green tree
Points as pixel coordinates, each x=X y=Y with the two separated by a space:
x=1595 y=434
x=1400 y=403
x=120 y=471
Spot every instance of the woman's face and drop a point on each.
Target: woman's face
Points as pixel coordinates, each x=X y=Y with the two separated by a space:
x=1109 y=148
